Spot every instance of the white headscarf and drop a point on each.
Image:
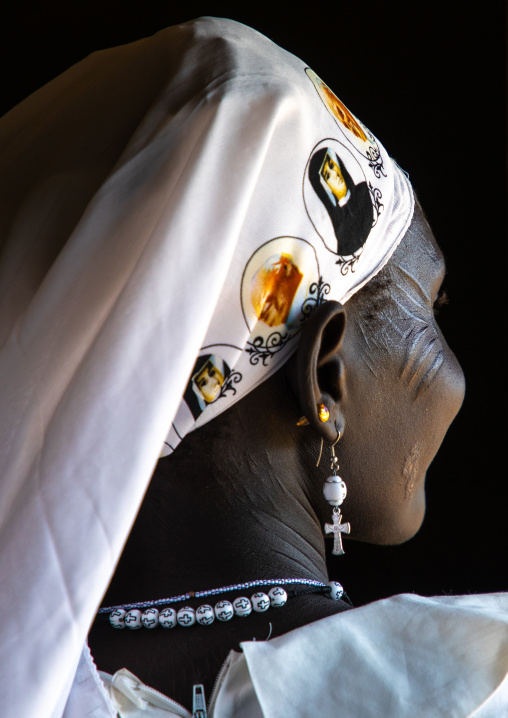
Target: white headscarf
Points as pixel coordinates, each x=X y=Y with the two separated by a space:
x=172 y=210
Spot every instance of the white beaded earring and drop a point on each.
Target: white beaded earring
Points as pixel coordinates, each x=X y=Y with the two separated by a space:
x=334 y=491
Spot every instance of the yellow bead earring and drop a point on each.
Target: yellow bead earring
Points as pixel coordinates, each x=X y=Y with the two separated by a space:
x=323 y=413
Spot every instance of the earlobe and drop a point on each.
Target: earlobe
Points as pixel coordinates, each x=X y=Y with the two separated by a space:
x=319 y=374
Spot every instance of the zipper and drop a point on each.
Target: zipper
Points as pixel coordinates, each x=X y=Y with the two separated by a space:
x=218 y=680
x=139 y=693
x=198 y=701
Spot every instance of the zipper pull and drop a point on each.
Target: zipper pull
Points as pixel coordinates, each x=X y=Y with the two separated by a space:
x=198 y=702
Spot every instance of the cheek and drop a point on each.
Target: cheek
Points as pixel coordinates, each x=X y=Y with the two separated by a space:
x=440 y=401
x=384 y=456
x=396 y=418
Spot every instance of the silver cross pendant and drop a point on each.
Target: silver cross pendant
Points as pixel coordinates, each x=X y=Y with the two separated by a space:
x=337 y=529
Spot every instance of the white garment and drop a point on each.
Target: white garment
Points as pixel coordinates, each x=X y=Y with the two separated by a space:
x=149 y=197
x=403 y=657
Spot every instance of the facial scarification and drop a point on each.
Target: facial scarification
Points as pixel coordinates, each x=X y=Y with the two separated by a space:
x=411 y=468
x=403 y=324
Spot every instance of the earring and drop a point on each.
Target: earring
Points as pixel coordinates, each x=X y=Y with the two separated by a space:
x=334 y=491
x=323 y=413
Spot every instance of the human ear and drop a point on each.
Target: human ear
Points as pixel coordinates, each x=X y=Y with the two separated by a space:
x=318 y=371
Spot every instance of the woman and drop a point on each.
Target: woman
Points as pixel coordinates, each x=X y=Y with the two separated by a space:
x=165 y=233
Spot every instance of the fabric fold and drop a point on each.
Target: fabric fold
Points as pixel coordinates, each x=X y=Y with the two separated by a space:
x=164 y=237
x=405 y=656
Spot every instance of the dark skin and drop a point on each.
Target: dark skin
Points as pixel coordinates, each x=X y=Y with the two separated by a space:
x=241 y=498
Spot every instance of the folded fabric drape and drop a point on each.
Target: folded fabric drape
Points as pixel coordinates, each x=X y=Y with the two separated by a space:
x=402 y=657
x=171 y=211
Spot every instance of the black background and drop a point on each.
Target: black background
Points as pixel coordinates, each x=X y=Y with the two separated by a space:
x=430 y=84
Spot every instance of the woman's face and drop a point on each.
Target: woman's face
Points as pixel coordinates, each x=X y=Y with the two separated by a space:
x=404 y=387
x=209 y=382
x=334 y=179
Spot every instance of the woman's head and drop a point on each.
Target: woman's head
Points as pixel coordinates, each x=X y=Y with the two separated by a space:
x=392 y=386
x=175 y=172
x=287 y=273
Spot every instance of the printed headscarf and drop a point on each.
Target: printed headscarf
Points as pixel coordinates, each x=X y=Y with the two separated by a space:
x=326 y=209
x=172 y=212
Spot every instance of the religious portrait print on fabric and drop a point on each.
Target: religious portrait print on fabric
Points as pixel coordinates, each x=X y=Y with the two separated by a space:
x=273 y=289
x=280 y=287
x=206 y=383
x=360 y=137
x=276 y=283
x=337 y=198
x=337 y=108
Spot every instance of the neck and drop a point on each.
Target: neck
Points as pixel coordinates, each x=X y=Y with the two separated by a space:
x=215 y=515
x=222 y=540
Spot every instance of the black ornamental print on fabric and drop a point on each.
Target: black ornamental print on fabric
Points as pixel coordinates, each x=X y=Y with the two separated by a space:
x=359 y=136
x=348 y=204
x=281 y=285
x=338 y=201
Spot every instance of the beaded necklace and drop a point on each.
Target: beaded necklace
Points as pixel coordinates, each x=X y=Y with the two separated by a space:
x=130 y=615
